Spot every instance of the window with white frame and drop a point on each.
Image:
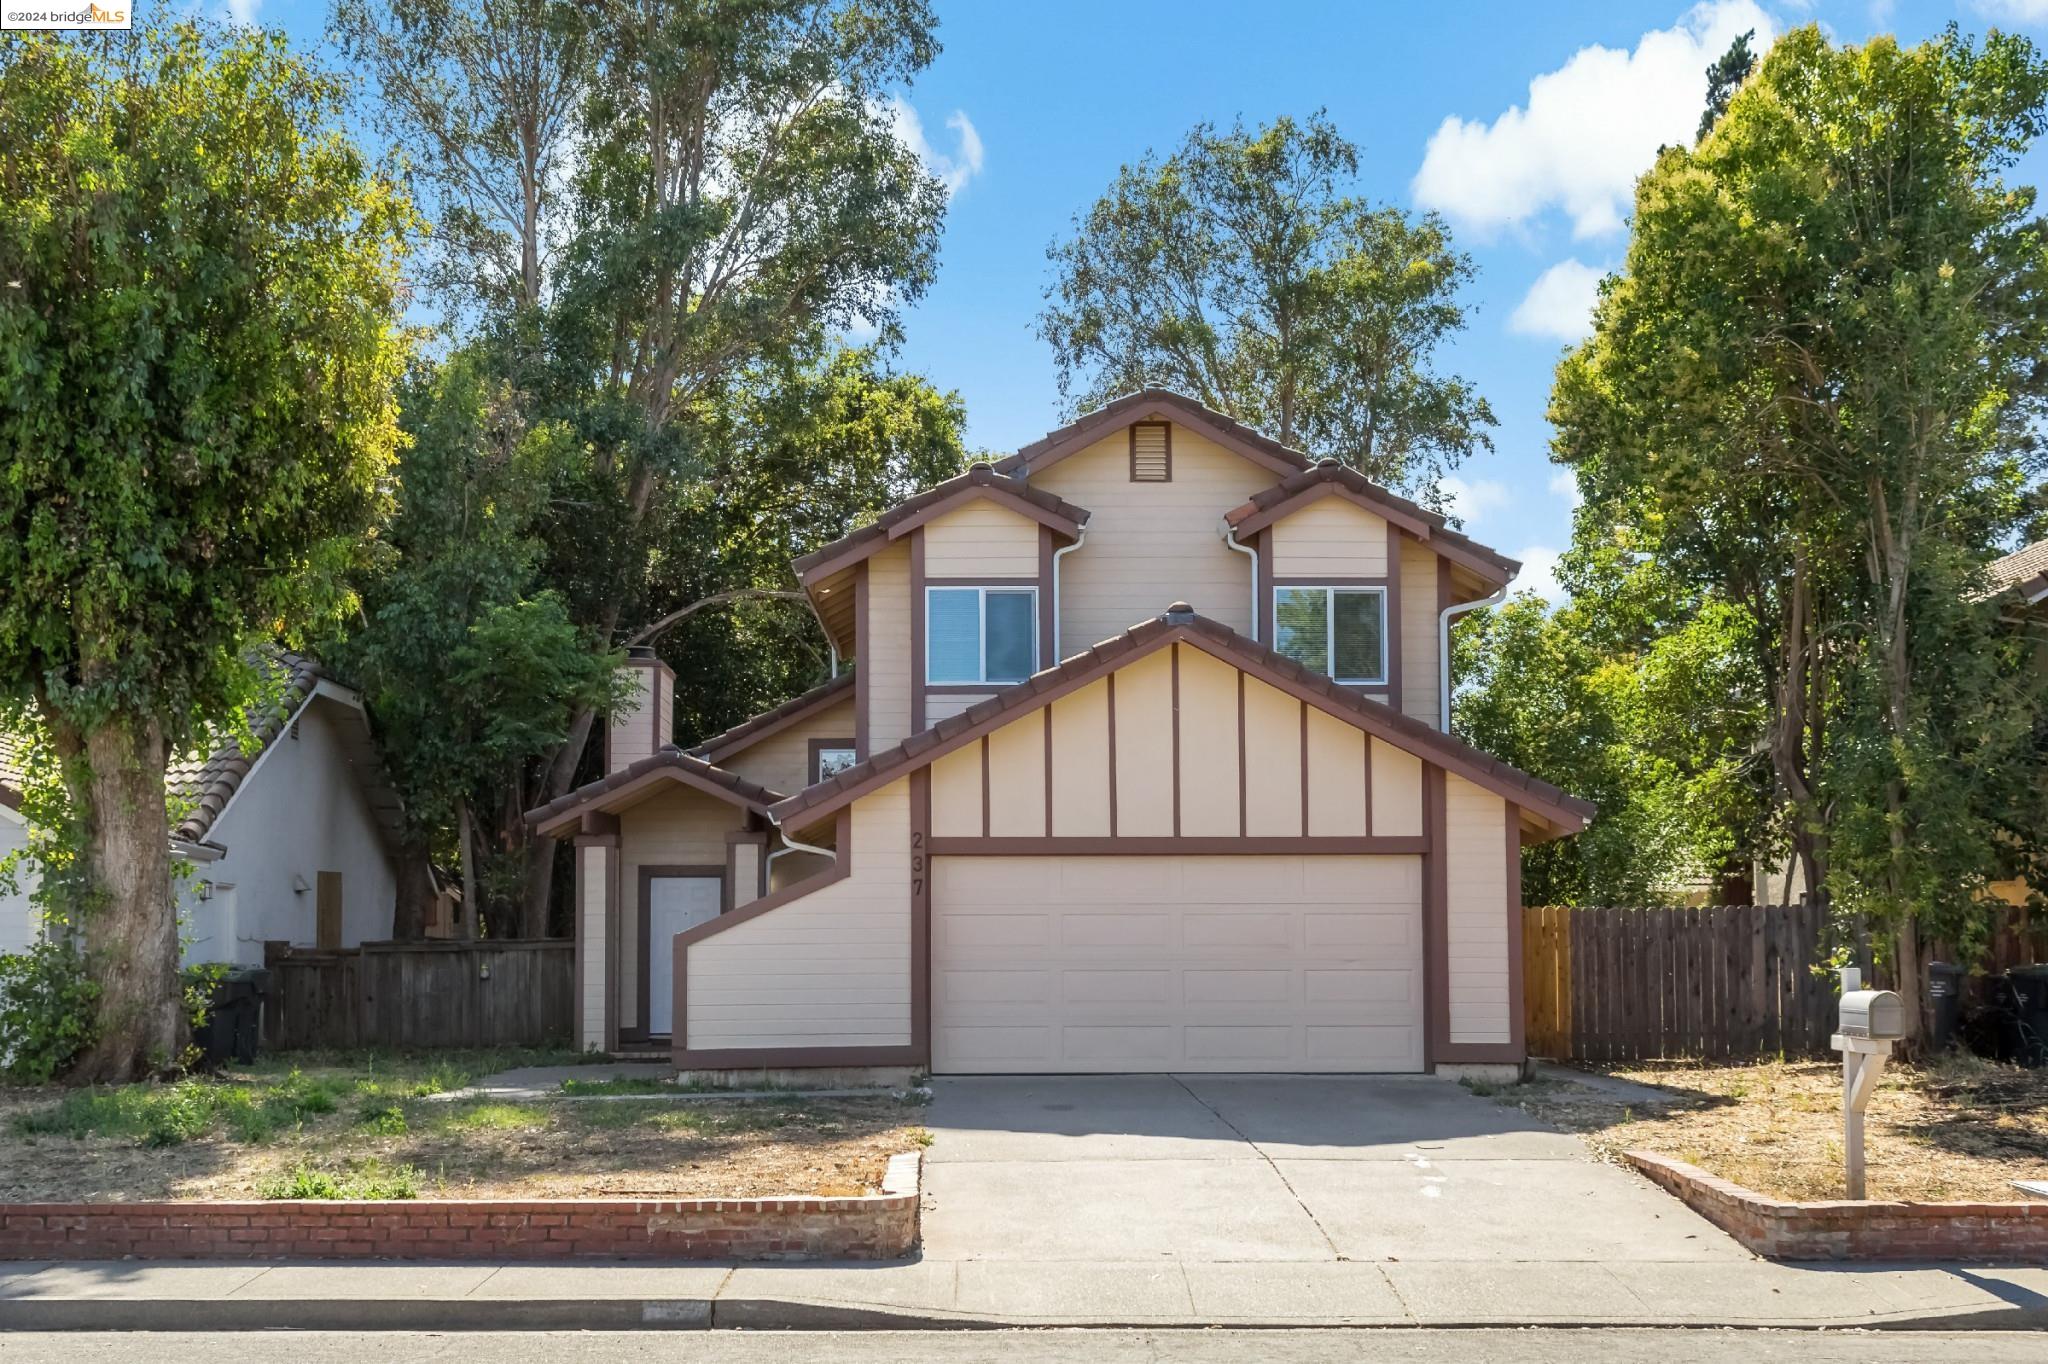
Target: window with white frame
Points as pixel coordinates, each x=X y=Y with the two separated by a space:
x=980 y=634
x=1340 y=632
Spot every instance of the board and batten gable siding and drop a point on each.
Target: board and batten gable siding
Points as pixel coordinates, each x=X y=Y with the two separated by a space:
x=782 y=761
x=886 y=651
x=982 y=539
x=1177 y=709
x=1476 y=909
x=1419 y=677
x=1151 y=544
x=679 y=827
x=1332 y=539
x=828 y=969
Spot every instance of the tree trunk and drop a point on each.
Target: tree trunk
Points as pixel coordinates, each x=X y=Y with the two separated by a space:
x=130 y=931
x=1911 y=984
x=465 y=830
x=415 y=901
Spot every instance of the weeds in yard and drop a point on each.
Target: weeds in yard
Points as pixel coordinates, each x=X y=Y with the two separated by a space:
x=489 y=1117
x=369 y=1180
x=923 y=1137
x=173 y=1114
x=381 y=1116
x=621 y=1085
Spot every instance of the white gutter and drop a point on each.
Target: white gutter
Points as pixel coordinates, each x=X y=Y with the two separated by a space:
x=1443 y=649
x=1057 y=555
x=790 y=845
x=1230 y=542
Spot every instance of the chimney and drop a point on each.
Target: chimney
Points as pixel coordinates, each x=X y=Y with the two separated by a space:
x=645 y=720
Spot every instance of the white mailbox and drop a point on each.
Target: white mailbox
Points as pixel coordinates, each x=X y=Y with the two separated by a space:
x=1878 y=1015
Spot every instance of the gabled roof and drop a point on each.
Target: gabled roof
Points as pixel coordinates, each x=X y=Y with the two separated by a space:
x=667 y=764
x=210 y=776
x=793 y=711
x=1084 y=431
x=979 y=482
x=2024 y=572
x=1181 y=625
x=1331 y=479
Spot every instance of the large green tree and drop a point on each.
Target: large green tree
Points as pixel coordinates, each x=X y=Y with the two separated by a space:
x=198 y=291
x=1814 y=387
x=1244 y=271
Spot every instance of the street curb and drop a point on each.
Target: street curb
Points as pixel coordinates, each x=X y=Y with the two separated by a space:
x=780 y=1314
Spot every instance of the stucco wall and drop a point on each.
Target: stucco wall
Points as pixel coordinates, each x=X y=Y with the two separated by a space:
x=828 y=969
x=299 y=812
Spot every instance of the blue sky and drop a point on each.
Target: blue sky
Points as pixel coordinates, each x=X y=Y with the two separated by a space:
x=1525 y=124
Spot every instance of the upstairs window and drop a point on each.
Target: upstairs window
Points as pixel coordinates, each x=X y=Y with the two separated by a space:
x=1340 y=632
x=831 y=757
x=1151 y=452
x=980 y=634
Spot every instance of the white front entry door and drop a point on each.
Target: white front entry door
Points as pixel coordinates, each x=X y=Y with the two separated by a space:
x=1079 y=963
x=674 y=903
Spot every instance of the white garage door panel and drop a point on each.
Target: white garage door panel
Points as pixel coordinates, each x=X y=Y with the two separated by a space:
x=1176 y=963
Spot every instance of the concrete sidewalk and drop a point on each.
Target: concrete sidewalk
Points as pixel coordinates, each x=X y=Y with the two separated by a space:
x=942 y=1294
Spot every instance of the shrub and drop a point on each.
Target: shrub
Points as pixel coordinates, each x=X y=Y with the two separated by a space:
x=370 y=1180
x=46 y=1012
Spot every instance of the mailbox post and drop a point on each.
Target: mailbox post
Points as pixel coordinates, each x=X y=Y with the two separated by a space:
x=1870 y=1021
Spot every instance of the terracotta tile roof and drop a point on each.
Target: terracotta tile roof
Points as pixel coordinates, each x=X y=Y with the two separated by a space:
x=692 y=771
x=768 y=721
x=981 y=478
x=1113 y=413
x=1219 y=639
x=2024 y=570
x=206 y=778
x=1298 y=486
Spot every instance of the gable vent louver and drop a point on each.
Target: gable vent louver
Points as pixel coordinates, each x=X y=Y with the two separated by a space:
x=1151 y=452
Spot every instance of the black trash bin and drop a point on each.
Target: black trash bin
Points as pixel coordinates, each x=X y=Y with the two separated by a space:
x=2027 y=995
x=234 y=1017
x=1945 y=993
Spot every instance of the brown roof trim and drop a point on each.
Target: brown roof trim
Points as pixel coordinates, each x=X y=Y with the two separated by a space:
x=749 y=732
x=667 y=764
x=981 y=481
x=1084 y=431
x=1330 y=479
x=1376 y=717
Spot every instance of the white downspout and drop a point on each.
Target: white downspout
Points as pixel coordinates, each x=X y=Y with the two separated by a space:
x=790 y=845
x=1443 y=649
x=830 y=643
x=1057 y=555
x=1230 y=542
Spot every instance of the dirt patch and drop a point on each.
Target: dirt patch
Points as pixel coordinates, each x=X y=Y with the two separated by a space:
x=1957 y=1129
x=379 y=1129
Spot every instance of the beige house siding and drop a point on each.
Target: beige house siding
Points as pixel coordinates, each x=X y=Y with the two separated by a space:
x=635 y=734
x=1476 y=884
x=1336 y=778
x=829 y=969
x=1272 y=762
x=942 y=705
x=593 y=880
x=887 y=650
x=1208 y=745
x=1418 y=631
x=981 y=540
x=793 y=867
x=1144 y=747
x=1396 y=792
x=1016 y=788
x=1080 y=763
x=782 y=761
x=1332 y=539
x=1151 y=544
x=677 y=828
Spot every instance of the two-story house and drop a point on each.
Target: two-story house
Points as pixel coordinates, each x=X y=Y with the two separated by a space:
x=1139 y=765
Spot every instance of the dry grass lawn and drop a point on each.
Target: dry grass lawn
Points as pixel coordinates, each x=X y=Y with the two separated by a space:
x=343 y=1127
x=1957 y=1129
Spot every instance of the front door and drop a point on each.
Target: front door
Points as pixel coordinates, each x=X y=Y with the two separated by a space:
x=674 y=903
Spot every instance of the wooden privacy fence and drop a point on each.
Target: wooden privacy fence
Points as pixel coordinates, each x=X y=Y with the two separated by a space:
x=431 y=994
x=1636 y=984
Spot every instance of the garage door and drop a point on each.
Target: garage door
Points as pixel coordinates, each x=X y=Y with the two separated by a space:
x=1064 y=964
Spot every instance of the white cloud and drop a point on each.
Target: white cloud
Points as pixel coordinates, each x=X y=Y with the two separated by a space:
x=953 y=169
x=1467 y=499
x=1565 y=484
x=244 y=11
x=1539 y=575
x=2014 y=11
x=1560 y=303
x=1588 y=129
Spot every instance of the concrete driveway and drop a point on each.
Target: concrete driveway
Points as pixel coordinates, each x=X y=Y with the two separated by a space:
x=1231 y=1169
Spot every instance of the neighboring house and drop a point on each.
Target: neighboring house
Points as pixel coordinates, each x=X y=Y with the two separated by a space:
x=1140 y=766
x=295 y=844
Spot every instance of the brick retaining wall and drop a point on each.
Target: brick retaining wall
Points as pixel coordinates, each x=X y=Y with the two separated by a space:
x=1845 y=1230
x=867 y=1227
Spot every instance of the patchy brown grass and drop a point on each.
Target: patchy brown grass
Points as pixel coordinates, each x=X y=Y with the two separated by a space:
x=1957 y=1129
x=229 y=1137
